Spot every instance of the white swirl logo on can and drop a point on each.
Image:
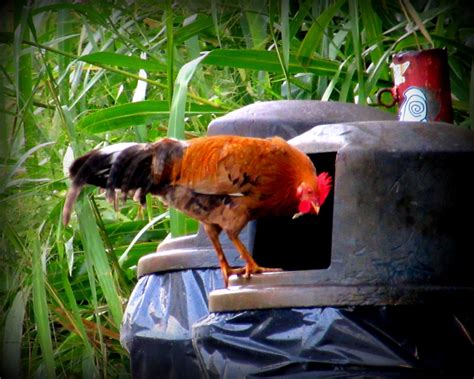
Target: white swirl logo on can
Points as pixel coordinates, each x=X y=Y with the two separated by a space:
x=415 y=106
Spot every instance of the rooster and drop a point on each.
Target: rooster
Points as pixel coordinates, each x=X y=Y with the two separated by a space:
x=222 y=181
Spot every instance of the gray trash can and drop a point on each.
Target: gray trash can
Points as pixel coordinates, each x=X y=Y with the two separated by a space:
x=174 y=281
x=380 y=284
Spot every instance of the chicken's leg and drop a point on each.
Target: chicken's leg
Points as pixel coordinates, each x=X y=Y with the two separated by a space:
x=213 y=232
x=251 y=267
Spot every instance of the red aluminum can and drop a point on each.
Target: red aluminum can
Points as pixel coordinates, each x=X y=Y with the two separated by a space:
x=421 y=86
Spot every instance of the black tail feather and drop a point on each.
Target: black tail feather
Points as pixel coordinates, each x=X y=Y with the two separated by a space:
x=91 y=168
x=136 y=168
x=118 y=168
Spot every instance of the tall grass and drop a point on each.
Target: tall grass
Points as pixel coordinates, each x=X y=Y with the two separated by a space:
x=75 y=77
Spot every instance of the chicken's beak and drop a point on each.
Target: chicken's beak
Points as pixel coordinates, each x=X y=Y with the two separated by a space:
x=315 y=207
x=296 y=215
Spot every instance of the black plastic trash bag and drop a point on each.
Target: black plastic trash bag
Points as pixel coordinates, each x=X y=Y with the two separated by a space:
x=367 y=342
x=156 y=327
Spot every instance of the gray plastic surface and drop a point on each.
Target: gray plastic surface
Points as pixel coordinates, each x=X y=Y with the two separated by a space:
x=289 y=118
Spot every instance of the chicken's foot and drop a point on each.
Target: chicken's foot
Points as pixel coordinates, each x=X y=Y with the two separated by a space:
x=213 y=232
x=251 y=267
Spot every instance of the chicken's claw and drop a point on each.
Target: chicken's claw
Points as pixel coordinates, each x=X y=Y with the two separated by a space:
x=227 y=272
x=247 y=271
x=251 y=269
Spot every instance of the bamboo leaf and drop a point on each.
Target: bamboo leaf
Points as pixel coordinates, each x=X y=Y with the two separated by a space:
x=139 y=250
x=40 y=308
x=327 y=94
x=254 y=24
x=178 y=105
x=215 y=21
x=139 y=94
x=5 y=180
x=377 y=71
x=285 y=32
x=268 y=61
x=123 y=232
x=11 y=349
x=87 y=10
x=346 y=84
x=191 y=44
x=96 y=254
x=154 y=221
x=417 y=19
x=69 y=250
x=283 y=56
x=76 y=323
x=123 y=61
x=5 y=130
x=176 y=126
x=65 y=44
x=298 y=19
x=169 y=48
x=199 y=25
x=356 y=40
x=24 y=80
x=313 y=38
x=87 y=88
x=132 y=114
x=374 y=36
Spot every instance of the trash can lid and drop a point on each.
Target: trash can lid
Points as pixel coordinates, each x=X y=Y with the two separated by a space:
x=289 y=118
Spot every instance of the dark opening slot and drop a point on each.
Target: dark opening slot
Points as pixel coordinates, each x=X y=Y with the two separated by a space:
x=303 y=243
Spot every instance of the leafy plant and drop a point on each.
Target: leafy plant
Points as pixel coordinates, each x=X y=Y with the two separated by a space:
x=78 y=76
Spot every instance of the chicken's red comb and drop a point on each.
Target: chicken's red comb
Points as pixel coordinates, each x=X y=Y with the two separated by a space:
x=325 y=185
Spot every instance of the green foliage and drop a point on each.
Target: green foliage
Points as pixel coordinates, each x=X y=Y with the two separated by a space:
x=75 y=77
